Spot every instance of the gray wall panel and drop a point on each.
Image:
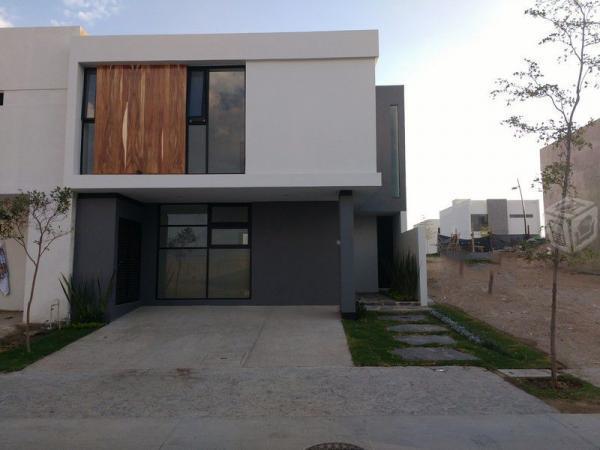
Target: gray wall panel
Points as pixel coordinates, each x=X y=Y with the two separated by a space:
x=295 y=257
x=365 y=254
x=497 y=210
x=96 y=232
x=382 y=200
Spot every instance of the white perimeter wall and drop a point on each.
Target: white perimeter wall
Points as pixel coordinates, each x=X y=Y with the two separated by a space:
x=430 y=228
x=366 y=276
x=415 y=242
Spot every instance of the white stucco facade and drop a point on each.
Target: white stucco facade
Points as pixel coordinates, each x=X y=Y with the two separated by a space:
x=310 y=108
x=33 y=77
x=310 y=124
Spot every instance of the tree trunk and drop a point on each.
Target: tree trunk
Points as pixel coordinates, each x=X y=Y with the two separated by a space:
x=553 y=364
x=27 y=333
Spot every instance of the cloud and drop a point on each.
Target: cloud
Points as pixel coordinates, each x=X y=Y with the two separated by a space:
x=87 y=11
x=4 y=21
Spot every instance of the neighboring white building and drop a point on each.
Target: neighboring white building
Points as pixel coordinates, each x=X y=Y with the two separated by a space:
x=430 y=228
x=499 y=216
x=206 y=169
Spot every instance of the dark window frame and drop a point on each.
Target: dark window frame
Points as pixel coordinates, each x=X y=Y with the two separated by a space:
x=205 y=119
x=209 y=226
x=479 y=223
x=84 y=118
x=1 y=98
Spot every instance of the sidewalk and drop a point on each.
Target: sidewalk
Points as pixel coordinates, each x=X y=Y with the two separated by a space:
x=514 y=432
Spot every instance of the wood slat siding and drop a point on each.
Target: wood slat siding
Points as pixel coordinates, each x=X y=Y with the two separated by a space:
x=140 y=119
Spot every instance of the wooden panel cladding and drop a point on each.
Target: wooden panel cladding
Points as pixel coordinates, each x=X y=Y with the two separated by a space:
x=140 y=119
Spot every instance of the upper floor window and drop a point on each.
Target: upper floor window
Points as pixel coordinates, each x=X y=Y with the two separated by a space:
x=216 y=120
x=88 y=117
x=149 y=119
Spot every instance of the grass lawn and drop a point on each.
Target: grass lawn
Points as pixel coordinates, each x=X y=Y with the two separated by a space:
x=43 y=345
x=371 y=343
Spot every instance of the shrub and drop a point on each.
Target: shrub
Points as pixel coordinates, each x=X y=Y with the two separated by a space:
x=88 y=300
x=405 y=277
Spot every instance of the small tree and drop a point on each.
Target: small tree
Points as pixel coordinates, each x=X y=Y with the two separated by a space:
x=39 y=213
x=576 y=34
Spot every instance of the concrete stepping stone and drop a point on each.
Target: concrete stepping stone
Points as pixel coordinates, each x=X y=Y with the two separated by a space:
x=416 y=328
x=526 y=373
x=405 y=318
x=425 y=340
x=432 y=354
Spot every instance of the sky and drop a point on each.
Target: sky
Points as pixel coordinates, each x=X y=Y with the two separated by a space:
x=447 y=54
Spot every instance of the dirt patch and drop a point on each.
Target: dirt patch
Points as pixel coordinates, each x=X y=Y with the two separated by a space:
x=570 y=396
x=16 y=338
x=520 y=302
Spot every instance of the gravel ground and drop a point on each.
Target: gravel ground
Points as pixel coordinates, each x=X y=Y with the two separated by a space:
x=520 y=303
x=257 y=392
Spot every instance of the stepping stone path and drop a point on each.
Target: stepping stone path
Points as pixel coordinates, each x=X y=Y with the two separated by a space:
x=426 y=340
x=409 y=324
x=416 y=328
x=432 y=354
x=408 y=318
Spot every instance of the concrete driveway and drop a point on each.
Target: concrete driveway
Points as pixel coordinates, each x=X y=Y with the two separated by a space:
x=197 y=337
x=260 y=378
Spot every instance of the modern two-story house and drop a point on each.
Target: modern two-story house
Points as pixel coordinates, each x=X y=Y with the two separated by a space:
x=238 y=169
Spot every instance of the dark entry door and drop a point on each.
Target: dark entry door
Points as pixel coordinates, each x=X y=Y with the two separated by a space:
x=128 y=261
x=385 y=250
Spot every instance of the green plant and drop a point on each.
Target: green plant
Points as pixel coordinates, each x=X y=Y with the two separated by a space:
x=405 y=277
x=88 y=300
x=361 y=310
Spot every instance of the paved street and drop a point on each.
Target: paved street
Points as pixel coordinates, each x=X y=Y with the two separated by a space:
x=241 y=381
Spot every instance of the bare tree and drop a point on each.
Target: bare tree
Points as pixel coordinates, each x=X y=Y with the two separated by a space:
x=40 y=213
x=575 y=32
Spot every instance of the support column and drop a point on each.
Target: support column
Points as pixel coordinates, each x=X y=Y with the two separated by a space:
x=346 y=222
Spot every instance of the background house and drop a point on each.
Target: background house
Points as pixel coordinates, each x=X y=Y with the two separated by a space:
x=503 y=218
x=585 y=171
x=262 y=169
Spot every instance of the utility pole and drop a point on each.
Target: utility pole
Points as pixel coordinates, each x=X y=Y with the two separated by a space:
x=518 y=186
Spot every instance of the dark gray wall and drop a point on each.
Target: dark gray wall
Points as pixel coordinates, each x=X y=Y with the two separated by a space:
x=498 y=215
x=295 y=256
x=382 y=201
x=346 y=254
x=96 y=231
x=295 y=259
